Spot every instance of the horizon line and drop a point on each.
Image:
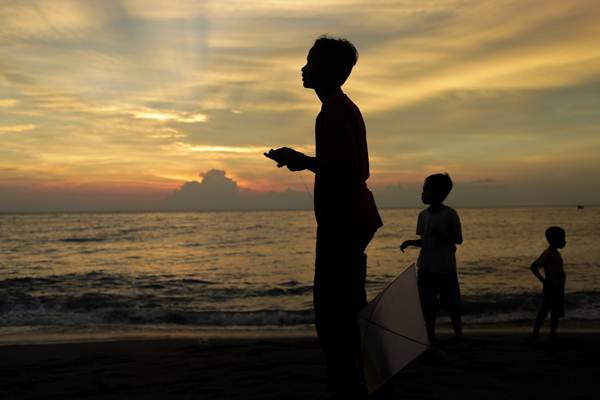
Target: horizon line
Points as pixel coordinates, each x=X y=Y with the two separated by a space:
x=166 y=211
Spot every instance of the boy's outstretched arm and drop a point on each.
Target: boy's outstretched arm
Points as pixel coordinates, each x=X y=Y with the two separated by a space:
x=414 y=243
x=292 y=159
x=535 y=268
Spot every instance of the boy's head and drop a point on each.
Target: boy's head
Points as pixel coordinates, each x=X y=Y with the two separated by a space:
x=329 y=63
x=556 y=237
x=436 y=188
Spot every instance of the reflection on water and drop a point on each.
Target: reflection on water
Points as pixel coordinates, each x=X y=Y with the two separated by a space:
x=245 y=268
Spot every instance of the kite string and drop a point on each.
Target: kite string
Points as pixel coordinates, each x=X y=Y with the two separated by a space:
x=307 y=190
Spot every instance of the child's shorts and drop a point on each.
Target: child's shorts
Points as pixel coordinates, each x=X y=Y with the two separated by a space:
x=439 y=290
x=554 y=299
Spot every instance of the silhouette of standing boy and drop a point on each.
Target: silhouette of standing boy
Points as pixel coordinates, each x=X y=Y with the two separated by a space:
x=440 y=231
x=346 y=214
x=553 y=280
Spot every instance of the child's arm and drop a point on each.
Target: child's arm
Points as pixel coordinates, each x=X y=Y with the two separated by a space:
x=414 y=243
x=421 y=228
x=535 y=268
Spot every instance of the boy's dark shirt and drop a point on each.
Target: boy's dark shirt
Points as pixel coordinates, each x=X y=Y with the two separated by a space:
x=552 y=264
x=341 y=197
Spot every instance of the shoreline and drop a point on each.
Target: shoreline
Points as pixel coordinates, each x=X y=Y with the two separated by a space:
x=42 y=336
x=15 y=336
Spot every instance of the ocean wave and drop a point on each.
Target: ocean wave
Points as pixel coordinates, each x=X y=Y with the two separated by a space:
x=83 y=239
x=23 y=308
x=99 y=282
x=41 y=283
x=128 y=316
x=146 y=296
x=218 y=318
x=104 y=279
x=190 y=281
x=112 y=235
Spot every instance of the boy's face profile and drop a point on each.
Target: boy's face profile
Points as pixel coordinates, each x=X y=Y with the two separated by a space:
x=559 y=241
x=428 y=195
x=313 y=71
x=431 y=194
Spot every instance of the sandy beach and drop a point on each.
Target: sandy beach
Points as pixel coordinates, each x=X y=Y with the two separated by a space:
x=494 y=364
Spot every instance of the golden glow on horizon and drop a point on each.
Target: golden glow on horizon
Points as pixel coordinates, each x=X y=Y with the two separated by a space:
x=216 y=149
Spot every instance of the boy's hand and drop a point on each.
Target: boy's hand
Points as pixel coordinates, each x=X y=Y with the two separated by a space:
x=535 y=268
x=284 y=156
x=404 y=245
x=276 y=156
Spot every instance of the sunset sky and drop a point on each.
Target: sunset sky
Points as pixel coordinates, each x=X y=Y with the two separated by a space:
x=129 y=99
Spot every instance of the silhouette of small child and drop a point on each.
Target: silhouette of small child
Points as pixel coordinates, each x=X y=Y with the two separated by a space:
x=553 y=281
x=440 y=232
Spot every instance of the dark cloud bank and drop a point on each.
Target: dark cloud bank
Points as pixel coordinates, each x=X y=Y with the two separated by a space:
x=217 y=192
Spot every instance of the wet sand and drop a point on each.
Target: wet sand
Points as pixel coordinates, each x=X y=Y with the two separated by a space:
x=494 y=364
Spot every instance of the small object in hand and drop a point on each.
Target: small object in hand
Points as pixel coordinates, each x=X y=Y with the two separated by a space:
x=275 y=156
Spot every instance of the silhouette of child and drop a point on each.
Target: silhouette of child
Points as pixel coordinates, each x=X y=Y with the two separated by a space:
x=553 y=281
x=440 y=231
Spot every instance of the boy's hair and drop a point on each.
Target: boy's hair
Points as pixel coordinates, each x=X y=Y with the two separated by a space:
x=441 y=184
x=339 y=56
x=554 y=233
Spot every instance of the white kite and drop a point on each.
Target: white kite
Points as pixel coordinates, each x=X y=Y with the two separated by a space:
x=392 y=330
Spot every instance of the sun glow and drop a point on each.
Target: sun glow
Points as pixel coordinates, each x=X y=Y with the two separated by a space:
x=190 y=118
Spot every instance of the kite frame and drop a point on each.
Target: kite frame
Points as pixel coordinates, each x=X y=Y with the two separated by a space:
x=370 y=321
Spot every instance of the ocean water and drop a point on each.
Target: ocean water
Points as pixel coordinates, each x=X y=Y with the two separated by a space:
x=255 y=269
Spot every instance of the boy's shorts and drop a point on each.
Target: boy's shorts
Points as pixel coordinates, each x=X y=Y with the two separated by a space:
x=554 y=299
x=439 y=290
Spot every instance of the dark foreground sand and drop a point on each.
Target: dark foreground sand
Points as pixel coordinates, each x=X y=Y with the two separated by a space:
x=493 y=365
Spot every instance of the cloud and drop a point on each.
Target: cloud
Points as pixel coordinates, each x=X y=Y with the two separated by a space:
x=16 y=128
x=475 y=46
x=503 y=89
x=161 y=116
x=216 y=191
x=8 y=102
x=19 y=196
x=48 y=19
x=186 y=147
x=490 y=193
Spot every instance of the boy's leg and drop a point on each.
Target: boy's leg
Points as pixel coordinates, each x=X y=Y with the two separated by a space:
x=553 y=324
x=557 y=308
x=451 y=299
x=339 y=293
x=539 y=319
x=429 y=302
x=430 y=326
